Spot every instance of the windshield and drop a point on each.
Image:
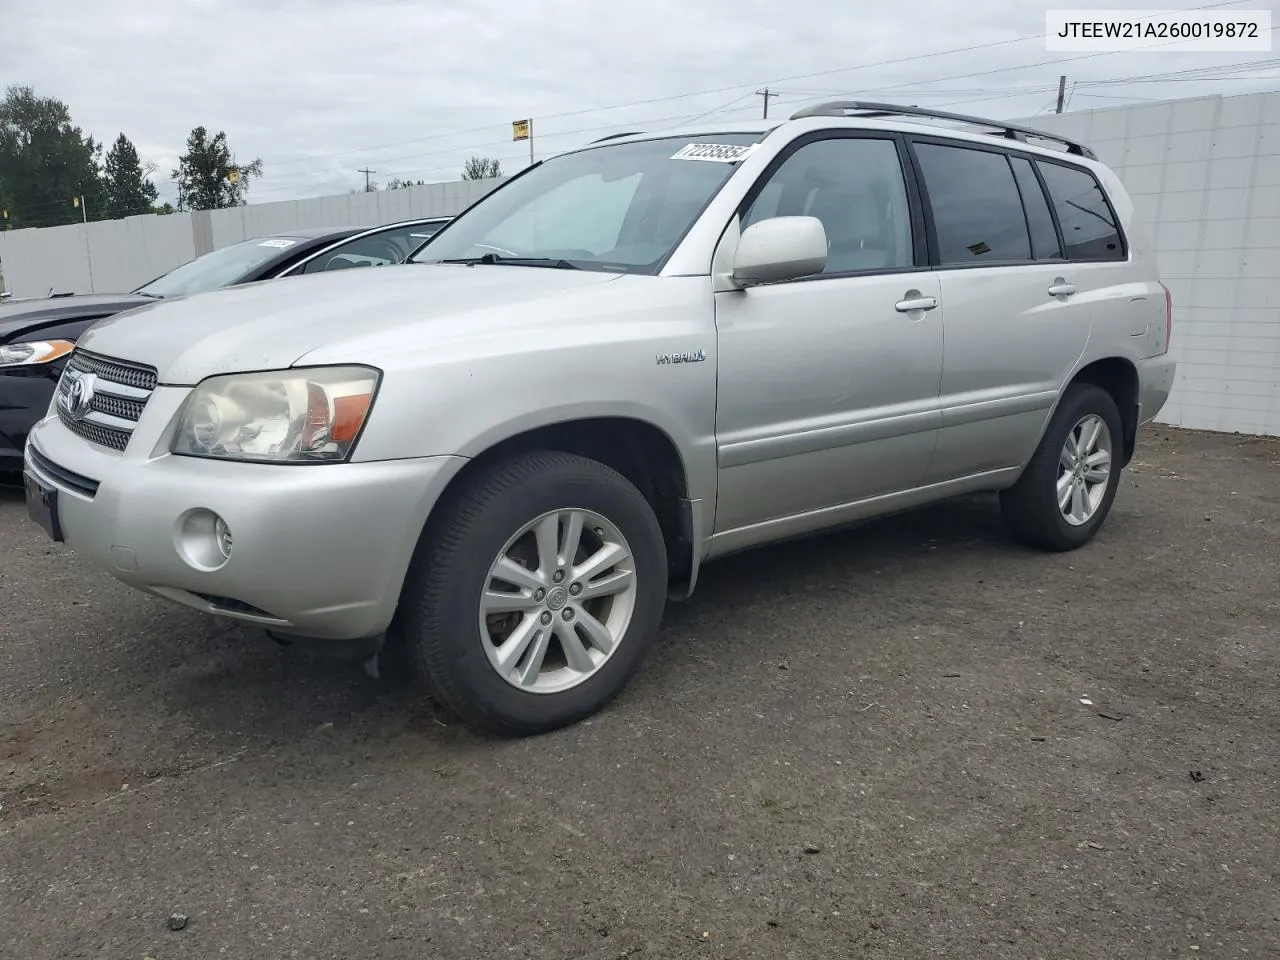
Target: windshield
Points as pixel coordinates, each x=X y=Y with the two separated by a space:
x=216 y=269
x=618 y=207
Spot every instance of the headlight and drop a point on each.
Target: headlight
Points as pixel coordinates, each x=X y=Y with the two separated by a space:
x=301 y=415
x=37 y=351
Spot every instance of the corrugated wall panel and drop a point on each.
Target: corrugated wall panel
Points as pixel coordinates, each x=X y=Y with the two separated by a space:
x=1205 y=174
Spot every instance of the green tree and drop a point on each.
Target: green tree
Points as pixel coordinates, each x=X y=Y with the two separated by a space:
x=128 y=191
x=481 y=168
x=46 y=161
x=163 y=208
x=208 y=178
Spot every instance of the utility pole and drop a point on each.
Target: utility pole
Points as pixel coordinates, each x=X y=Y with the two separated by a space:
x=366 y=171
x=78 y=201
x=766 y=93
x=1062 y=91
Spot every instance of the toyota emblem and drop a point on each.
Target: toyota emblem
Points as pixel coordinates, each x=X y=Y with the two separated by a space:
x=80 y=396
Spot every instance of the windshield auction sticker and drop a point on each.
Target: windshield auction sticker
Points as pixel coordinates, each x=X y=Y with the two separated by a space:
x=715 y=152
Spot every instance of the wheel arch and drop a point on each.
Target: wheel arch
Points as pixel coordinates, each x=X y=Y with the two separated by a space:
x=643 y=452
x=1118 y=376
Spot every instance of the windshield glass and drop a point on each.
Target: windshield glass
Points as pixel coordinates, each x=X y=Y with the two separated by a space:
x=618 y=207
x=216 y=269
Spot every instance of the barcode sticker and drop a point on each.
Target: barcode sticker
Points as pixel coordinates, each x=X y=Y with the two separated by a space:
x=714 y=152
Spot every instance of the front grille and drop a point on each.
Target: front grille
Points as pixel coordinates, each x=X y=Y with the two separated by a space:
x=134 y=375
x=118 y=406
x=101 y=399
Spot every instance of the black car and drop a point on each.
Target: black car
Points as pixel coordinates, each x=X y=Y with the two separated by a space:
x=36 y=335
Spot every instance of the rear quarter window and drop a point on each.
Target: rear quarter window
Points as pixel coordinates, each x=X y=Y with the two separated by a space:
x=1089 y=228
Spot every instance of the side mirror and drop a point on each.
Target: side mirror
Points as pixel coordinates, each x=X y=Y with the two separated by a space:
x=780 y=248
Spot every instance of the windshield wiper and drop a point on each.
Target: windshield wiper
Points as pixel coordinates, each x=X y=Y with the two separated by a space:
x=490 y=258
x=152 y=296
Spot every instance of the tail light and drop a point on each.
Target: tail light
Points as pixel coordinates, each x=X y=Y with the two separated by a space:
x=1168 y=317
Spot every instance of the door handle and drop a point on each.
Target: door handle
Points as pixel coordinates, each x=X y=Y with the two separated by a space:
x=915 y=303
x=1061 y=287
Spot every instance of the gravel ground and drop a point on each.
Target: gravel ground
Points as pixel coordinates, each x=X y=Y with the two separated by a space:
x=874 y=744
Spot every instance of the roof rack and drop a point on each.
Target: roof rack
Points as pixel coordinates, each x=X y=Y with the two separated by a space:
x=615 y=136
x=1012 y=131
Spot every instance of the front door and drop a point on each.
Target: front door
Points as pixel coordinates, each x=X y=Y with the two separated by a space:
x=828 y=386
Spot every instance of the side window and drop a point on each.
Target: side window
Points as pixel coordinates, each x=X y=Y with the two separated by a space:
x=977 y=211
x=375 y=250
x=1044 y=238
x=1089 y=230
x=855 y=186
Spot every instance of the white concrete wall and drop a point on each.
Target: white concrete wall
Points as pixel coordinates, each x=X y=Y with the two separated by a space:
x=1205 y=175
x=111 y=256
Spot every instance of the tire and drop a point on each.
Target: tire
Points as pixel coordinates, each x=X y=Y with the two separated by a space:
x=454 y=648
x=1031 y=507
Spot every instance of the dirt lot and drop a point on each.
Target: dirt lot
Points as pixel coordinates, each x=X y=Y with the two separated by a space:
x=868 y=745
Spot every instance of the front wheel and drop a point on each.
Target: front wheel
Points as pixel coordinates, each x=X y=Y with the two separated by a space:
x=1067 y=489
x=540 y=587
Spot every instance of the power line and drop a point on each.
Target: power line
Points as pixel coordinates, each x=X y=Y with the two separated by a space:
x=1172 y=76
x=991 y=44
x=651 y=122
x=1000 y=93
x=423 y=173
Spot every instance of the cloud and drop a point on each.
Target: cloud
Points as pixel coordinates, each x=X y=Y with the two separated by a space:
x=318 y=88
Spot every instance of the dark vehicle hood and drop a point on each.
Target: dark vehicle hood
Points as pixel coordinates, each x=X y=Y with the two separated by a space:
x=29 y=316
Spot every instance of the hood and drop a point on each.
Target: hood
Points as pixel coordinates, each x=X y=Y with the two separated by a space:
x=20 y=317
x=271 y=324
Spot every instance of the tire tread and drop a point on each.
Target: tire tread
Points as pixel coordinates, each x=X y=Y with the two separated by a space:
x=446 y=539
x=1029 y=507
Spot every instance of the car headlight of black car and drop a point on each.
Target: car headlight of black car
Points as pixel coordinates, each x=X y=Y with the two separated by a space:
x=33 y=352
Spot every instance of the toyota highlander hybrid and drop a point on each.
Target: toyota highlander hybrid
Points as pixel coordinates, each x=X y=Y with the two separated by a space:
x=630 y=359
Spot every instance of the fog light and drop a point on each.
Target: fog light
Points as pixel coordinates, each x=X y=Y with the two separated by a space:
x=203 y=539
x=222 y=534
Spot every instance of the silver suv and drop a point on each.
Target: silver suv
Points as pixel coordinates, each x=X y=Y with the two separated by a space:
x=627 y=360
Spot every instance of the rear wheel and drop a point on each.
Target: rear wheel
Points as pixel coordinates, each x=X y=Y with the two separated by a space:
x=539 y=589
x=1067 y=489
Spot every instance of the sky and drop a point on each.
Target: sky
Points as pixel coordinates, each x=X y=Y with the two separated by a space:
x=411 y=88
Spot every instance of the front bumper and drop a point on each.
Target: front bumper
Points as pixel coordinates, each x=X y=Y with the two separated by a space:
x=319 y=550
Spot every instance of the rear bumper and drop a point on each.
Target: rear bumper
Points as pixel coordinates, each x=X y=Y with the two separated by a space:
x=318 y=550
x=1155 y=382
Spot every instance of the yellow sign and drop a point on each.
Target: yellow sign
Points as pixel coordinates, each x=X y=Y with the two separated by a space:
x=520 y=129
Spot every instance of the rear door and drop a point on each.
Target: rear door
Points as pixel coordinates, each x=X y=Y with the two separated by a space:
x=1014 y=324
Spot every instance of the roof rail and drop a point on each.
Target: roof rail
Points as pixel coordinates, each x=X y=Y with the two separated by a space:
x=615 y=136
x=1012 y=131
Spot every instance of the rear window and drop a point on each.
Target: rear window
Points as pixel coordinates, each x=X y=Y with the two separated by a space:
x=220 y=268
x=1089 y=229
